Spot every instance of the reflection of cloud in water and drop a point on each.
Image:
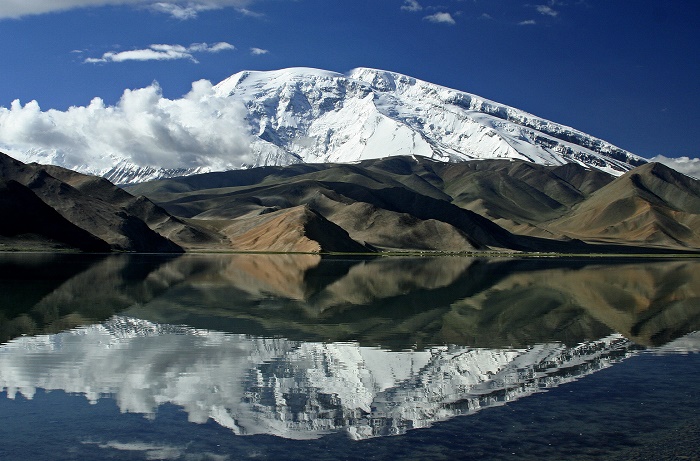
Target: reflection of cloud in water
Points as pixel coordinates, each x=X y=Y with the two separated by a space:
x=287 y=388
x=154 y=451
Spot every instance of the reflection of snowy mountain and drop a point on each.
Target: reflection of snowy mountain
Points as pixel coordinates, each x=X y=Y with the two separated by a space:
x=291 y=389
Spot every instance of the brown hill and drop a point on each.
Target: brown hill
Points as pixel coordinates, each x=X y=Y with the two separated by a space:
x=414 y=302
x=651 y=205
x=392 y=230
x=414 y=203
x=123 y=231
x=380 y=207
x=187 y=235
x=516 y=195
x=293 y=230
x=398 y=203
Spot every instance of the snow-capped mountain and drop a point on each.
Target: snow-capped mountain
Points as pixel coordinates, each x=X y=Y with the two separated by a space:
x=292 y=389
x=309 y=115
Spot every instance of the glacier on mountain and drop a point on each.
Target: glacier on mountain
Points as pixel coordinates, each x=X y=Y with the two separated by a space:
x=309 y=115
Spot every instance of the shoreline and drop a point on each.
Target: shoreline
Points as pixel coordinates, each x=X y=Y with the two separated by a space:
x=671 y=254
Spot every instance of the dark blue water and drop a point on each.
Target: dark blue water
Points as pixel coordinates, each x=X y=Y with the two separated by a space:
x=144 y=358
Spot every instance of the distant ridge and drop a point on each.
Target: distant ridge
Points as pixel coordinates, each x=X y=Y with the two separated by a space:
x=399 y=203
x=415 y=203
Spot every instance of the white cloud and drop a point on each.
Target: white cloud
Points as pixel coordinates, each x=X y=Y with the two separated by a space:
x=546 y=10
x=258 y=51
x=411 y=5
x=221 y=46
x=247 y=12
x=143 y=127
x=162 y=52
x=441 y=18
x=529 y=22
x=180 y=9
x=686 y=165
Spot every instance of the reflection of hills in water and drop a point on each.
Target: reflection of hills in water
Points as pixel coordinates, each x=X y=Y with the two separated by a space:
x=292 y=389
x=398 y=303
x=407 y=303
x=287 y=344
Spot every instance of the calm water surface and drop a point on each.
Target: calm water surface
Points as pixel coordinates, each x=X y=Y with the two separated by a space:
x=226 y=357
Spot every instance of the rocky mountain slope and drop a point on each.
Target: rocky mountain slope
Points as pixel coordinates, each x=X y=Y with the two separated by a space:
x=29 y=222
x=415 y=203
x=652 y=204
x=308 y=115
x=393 y=204
x=51 y=207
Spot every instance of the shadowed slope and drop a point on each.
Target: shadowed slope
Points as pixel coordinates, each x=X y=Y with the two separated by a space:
x=174 y=229
x=111 y=223
x=391 y=230
x=516 y=195
x=30 y=223
x=392 y=209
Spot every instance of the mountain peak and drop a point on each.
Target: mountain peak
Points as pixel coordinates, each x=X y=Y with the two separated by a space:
x=660 y=170
x=380 y=80
x=261 y=79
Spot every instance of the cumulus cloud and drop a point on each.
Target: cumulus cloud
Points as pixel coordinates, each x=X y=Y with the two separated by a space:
x=529 y=22
x=162 y=52
x=411 y=5
x=258 y=51
x=180 y=9
x=199 y=129
x=441 y=18
x=686 y=165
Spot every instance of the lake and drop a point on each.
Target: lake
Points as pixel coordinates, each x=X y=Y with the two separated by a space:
x=299 y=357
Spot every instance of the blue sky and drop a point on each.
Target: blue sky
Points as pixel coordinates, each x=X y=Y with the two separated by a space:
x=625 y=71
